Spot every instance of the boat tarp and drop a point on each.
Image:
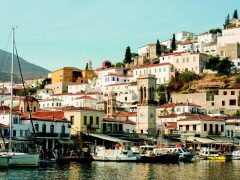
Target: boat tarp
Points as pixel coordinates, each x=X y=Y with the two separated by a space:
x=65 y=141
x=223 y=140
x=200 y=140
x=106 y=137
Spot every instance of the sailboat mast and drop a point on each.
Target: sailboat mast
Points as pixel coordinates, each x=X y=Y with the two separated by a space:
x=11 y=101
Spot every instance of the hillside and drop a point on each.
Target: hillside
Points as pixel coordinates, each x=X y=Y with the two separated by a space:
x=30 y=71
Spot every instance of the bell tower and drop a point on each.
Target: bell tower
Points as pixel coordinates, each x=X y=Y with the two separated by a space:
x=111 y=105
x=146 y=119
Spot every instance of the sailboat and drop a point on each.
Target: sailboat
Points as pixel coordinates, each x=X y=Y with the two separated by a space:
x=17 y=158
x=4 y=158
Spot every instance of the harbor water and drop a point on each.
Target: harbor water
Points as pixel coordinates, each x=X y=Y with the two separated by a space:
x=113 y=170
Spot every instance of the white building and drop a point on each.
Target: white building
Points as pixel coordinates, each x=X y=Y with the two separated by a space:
x=229 y=36
x=202 y=125
x=210 y=48
x=50 y=103
x=76 y=88
x=207 y=37
x=184 y=35
x=161 y=71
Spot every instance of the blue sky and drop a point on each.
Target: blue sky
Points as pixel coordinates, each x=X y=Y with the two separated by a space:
x=58 y=33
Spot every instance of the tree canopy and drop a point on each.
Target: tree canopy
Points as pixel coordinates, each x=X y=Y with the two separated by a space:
x=158 y=48
x=187 y=76
x=212 y=62
x=227 y=22
x=235 y=14
x=224 y=66
x=173 y=44
x=215 y=31
x=128 y=56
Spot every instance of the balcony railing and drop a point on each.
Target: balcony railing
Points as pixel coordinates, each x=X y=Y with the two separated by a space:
x=93 y=126
x=42 y=134
x=64 y=135
x=214 y=133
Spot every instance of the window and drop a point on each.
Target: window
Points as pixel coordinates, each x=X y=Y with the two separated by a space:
x=232 y=102
x=44 y=128
x=231 y=133
x=232 y=92
x=222 y=128
x=15 y=120
x=14 y=133
x=52 y=128
x=27 y=133
x=136 y=73
x=211 y=128
x=117 y=79
x=120 y=127
x=63 y=129
x=223 y=103
x=97 y=120
x=205 y=127
x=21 y=133
x=85 y=120
x=194 y=127
x=125 y=98
x=72 y=120
x=91 y=119
x=216 y=128
x=187 y=127
x=37 y=127
x=228 y=133
x=224 y=92
x=141 y=131
x=159 y=69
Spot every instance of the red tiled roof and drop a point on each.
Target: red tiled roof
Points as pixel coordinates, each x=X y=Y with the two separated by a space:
x=45 y=115
x=169 y=116
x=111 y=120
x=3 y=126
x=173 y=53
x=200 y=117
x=72 y=108
x=186 y=43
x=153 y=65
x=118 y=75
x=171 y=105
x=103 y=69
x=75 y=94
x=86 y=97
x=125 y=113
x=129 y=122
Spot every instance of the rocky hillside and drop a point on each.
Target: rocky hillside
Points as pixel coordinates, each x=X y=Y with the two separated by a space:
x=30 y=71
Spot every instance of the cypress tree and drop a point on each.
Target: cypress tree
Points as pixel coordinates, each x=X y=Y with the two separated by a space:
x=173 y=44
x=235 y=14
x=227 y=22
x=128 y=56
x=86 y=67
x=158 y=48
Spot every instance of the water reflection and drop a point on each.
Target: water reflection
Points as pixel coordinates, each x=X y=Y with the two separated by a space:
x=112 y=170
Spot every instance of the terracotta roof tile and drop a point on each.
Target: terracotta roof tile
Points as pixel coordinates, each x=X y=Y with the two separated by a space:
x=125 y=113
x=200 y=117
x=86 y=97
x=153 y=65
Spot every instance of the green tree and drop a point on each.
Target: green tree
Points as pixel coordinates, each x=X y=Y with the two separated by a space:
x=119 y=64
x=187 y=76
x=235 y=14
x=44 y=83
x=158 y=48
x=173 y=43
x=237 y=79
x=86 y=67
x=128 y=56
x=161 y=94
x=237 y=113
x=227 y=22
x=215 y=31
x=212 y=62
x=224 y=67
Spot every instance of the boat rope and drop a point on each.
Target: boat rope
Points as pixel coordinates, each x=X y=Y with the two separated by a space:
x=25 y=94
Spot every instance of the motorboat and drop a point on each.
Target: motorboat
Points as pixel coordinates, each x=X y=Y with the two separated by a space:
x=120 y=155
x=151 y=154
x=236 y=155
x=212 y=154
x=4 y=160
x=184 y=154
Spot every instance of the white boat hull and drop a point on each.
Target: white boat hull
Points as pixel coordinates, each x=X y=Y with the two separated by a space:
x=4 y=161
x=24 y=159
x=109 y=158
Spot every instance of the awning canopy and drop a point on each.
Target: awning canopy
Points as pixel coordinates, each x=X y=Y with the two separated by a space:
x=224 y=140
x=65 y=141
x=106 y=137
x=200 y=140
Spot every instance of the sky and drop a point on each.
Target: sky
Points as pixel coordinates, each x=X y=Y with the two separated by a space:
x=58 y=33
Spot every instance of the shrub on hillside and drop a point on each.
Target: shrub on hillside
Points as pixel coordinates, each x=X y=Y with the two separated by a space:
x=237 y=79
x=187 y=76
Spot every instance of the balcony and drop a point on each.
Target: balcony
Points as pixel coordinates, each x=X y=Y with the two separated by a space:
x=42 y=134
x=212 y=133
x=113 y=132
x=93 y=126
